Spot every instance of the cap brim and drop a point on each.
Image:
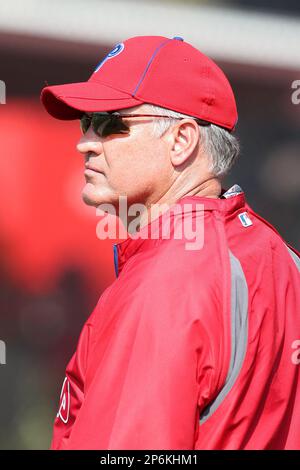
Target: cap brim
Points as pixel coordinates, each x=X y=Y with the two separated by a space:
x=69 y=101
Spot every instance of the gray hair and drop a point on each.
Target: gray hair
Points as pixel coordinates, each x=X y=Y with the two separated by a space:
x=221 y=147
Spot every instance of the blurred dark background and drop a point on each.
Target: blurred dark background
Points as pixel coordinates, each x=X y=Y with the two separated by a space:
x=53 y=267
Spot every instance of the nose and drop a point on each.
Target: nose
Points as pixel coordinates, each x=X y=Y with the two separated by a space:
x=89 y=143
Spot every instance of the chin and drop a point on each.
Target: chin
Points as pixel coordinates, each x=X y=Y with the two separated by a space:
x=89 y=201
x=93 y=197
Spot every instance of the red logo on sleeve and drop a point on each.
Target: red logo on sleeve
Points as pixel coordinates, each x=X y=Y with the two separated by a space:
x=64 y=403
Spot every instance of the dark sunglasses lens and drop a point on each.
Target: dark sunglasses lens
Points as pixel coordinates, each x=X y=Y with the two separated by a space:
x=103 y=124
x=111 y=125
x=99 y=122
x=85 y=123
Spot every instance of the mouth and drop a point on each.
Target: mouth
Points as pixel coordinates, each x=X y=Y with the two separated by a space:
x=90 y=171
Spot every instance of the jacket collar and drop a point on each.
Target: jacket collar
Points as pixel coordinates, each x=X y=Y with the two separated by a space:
x=229 y=201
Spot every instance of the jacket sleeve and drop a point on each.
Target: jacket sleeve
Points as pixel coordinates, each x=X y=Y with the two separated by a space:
x=154 y=375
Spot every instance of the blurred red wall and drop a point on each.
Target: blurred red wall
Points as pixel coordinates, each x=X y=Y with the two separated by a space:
x=44 y=224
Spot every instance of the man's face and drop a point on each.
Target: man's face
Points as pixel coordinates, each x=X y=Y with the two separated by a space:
x=135 y=165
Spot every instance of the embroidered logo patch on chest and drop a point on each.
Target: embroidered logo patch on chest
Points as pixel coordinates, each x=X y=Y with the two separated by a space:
x=245 y=219
x=64 y=404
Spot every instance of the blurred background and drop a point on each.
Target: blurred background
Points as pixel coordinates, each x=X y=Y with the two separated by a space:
x=53 y=268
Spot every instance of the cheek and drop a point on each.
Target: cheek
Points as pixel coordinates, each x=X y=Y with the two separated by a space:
x=126 y=165
x=135 y=170
x=127 y=177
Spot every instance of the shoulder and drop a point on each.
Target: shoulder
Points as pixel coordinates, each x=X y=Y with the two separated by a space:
x=181 y=262
x=172 y=277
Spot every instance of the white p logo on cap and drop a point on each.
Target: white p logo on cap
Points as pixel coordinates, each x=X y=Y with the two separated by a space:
x=115 y=51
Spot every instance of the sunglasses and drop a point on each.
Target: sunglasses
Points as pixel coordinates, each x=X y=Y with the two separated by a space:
x=105 y=124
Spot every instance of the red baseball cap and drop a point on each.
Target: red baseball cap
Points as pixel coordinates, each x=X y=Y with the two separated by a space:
x=149 y=69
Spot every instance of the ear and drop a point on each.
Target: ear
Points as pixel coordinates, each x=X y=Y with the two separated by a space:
x=183 y=140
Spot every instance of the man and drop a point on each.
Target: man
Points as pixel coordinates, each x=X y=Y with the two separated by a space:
x=196 y=344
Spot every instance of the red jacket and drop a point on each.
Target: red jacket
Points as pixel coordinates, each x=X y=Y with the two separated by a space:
x=191 y=348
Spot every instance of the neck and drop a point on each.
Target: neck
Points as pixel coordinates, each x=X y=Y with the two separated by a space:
x=210 y=188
